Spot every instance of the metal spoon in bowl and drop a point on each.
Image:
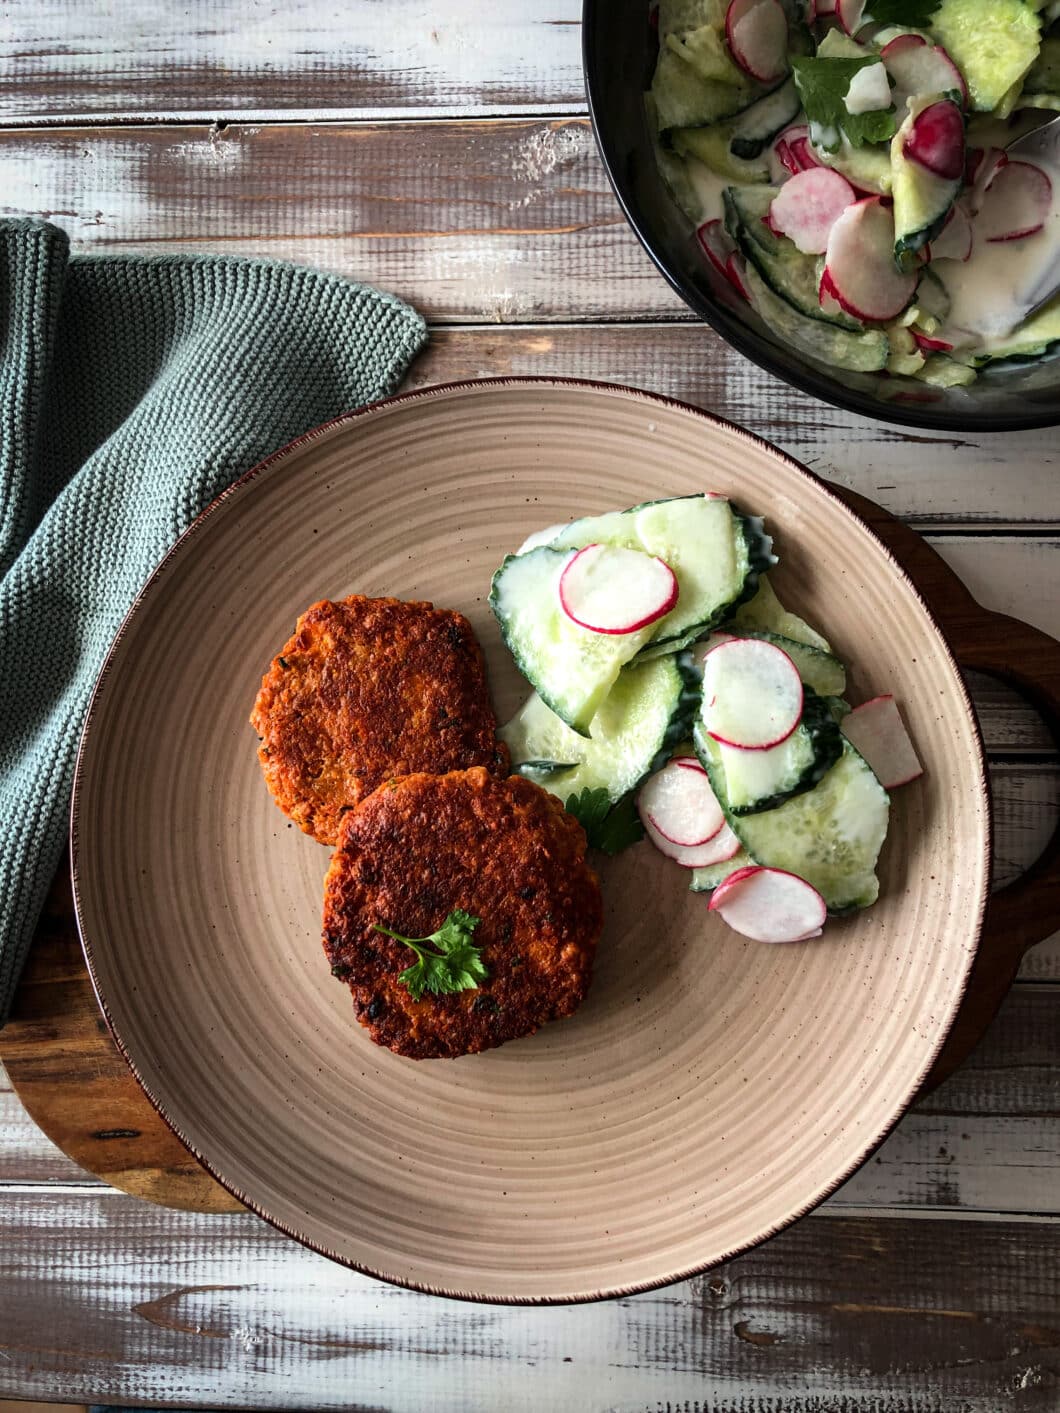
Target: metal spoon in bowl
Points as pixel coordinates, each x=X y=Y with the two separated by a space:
x=1042 y=147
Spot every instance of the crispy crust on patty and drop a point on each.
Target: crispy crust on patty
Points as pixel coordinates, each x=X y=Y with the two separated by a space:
x=365 y=690
x=505 y=851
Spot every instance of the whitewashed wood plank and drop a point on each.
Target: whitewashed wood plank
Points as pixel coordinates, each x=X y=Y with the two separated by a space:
x=216 y=58
x=838 y=1313
x=496 y=222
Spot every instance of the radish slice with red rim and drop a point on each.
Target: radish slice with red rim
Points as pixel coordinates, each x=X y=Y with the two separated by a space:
x=1016 y=203
x=850 y=14
x=752 y=694
x=717 y=244
x=757 y=35
x=608 y=589
x=920 y=69
x=927 y=344
x=955 y=241
x=826 y=298
x=859 y=263
x=935 y=140
x=734 y=268
x=722 y=847
x=770 y=905
x=680 y=805
x=803 y=153
x=700 y=650
x=876 y=731
x=807 y=207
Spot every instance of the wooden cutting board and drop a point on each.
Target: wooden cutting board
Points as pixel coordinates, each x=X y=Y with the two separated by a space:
x=69 y=1074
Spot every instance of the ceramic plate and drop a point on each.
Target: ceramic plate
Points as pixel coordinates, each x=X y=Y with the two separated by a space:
x=711 y=1088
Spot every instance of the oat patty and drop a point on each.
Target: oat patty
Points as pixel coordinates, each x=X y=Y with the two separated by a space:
x=365 y=690
x=503 y=850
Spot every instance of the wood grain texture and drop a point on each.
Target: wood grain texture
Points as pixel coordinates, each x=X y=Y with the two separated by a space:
x=840 y=1314
x=507 y=222
x=211 y=58
x=76 y=1084
x=988 y=1140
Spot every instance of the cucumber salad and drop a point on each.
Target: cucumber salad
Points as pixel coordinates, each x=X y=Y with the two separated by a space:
x=845 y=165
x=674 y=692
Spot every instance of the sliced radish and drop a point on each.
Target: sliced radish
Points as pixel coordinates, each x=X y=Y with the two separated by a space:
x=927 y=344
x=700 y=650
x=752 y=694
x=859 y=263
x=955 y=240
x=920 y=69
x=757 y=33
x=823 y=8
x=875 y=730
x=850 y=15
x=769 y=905
x=785 y=158
x=723 y=846
x=1016 y=203
x=807 y=207
x=936 y=140
x=981 y=168
x=717 y=244
x=734 y=268
x=608 y=589
x=826 y=298
x=680 y=805
x=803 y=153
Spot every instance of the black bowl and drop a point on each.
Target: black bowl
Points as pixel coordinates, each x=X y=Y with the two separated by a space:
x=620 y=48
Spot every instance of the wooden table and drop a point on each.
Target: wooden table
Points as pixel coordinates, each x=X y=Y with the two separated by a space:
x=440 y=149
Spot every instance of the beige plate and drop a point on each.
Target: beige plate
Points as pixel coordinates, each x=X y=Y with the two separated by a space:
x=711 y=1088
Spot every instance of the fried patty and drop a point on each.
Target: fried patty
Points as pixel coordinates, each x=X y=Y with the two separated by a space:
x=365 y=690
x=505 y=851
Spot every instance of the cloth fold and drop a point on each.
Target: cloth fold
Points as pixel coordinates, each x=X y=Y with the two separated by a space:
x=132 y=391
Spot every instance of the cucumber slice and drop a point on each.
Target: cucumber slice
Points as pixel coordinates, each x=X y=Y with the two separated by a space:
x=711 y=146
x=1043 y=78
x=754 y=781
x=821 y=671
x=944 y=372
x=711 y=876
x=1036 y=336
x=866 y=167
x=789 y=273
x=684 y=99
x=993 y=43
x=715 y=552
x=861 y=353
x=922 y=200
x=766 y=614
x=647 y=713
x=831 y=835
x=680 y=16
x=572 y=667
x=756 y=126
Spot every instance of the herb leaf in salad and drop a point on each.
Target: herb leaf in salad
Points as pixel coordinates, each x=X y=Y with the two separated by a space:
x=914 y=14
x=823 y=85
x=609 y=828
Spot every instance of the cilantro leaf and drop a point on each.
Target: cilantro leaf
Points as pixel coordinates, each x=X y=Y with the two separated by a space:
x=914 y=14
x=823 y=85
x=456 y=965
x=610 y=828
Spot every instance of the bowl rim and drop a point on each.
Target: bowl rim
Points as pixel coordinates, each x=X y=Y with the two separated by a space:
x=735 y=332
x=426 y=395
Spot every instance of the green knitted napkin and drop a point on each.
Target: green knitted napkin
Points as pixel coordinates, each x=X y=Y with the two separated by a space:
x=132 y=391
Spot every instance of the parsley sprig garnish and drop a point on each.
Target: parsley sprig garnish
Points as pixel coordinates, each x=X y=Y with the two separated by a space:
x=609 y=828
x=822 y=86
x=456 y=965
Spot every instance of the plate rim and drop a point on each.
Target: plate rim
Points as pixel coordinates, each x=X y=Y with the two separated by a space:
x=543 y=383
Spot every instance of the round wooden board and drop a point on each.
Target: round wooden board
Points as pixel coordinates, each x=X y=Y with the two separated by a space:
x=74 y=1083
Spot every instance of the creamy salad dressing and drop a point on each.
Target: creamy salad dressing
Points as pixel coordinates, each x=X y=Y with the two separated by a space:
x=708 y=187
x=994 y=291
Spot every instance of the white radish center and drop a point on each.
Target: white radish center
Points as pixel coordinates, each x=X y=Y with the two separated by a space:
x=752 y=694
x=769 y=905
x=679 y=802
x=608 y=589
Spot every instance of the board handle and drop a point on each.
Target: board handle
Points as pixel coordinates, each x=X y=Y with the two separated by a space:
x=1027 y=910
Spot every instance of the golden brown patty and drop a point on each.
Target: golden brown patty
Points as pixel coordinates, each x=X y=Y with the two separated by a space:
x=503 y=850
x=368 y=689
